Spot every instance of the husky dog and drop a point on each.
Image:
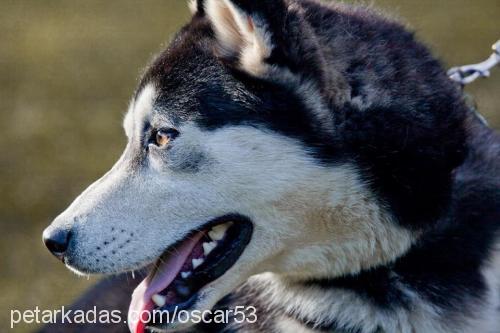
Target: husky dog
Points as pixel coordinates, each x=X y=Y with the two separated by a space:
x=313 y=162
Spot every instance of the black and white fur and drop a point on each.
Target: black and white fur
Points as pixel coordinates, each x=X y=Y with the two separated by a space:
x=374 y=194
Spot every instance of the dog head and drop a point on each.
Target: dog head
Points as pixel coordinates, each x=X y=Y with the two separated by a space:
x=236 y=165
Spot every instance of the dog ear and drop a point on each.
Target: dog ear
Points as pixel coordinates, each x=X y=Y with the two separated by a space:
x=246 y=30
x=196 y=7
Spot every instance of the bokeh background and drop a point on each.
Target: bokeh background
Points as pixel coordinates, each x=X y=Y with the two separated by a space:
x=67 y=71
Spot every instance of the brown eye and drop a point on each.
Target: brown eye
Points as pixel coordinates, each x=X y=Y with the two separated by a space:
x=163 y=137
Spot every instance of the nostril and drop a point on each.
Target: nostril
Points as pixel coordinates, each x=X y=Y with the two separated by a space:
x=57 y=241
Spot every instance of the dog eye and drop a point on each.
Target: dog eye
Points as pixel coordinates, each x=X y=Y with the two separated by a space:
x=162 y=137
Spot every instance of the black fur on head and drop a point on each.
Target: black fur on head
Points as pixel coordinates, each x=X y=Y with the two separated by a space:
x=389 y=105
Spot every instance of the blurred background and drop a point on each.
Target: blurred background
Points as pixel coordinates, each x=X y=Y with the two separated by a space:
x=67 y=71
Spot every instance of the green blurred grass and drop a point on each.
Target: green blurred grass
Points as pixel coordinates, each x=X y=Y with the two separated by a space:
x=67 y=70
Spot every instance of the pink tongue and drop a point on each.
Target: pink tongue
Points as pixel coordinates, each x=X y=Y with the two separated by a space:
x=141 y=304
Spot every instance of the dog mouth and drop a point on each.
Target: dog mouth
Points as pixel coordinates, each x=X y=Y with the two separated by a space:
x=185 y=268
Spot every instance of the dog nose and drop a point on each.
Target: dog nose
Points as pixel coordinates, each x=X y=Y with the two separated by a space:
x=57 y=240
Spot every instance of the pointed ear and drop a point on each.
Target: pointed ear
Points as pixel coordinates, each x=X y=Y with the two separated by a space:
x=196 y=7
x=244 y=30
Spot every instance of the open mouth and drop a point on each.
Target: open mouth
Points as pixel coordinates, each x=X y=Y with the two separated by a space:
x=186 y=267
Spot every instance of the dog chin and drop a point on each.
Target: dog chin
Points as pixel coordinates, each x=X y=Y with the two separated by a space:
x=206 y=300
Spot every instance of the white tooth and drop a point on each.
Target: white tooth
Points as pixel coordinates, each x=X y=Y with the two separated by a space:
x=208 y=247
x=215 y=236
x=159 y=300
x=197 y=262
x=185 y=275
x=217 y=232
